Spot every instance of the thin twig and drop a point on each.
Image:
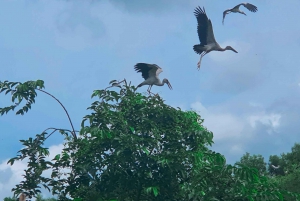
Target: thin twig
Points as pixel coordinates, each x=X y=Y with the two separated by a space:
x=73 y=133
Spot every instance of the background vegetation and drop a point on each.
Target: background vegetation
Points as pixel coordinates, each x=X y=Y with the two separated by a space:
x=135 y=147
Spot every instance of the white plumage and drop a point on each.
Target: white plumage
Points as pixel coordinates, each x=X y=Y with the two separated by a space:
x=150 y=73
x=207 y=39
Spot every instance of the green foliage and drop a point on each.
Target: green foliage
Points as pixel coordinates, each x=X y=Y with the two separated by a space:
x=290 y=182
x=20 y=91
x=255 y=161
x=278 y=162
x=27 y=91
x=138 y=148
x=292 y=160
x=39 y=197
x=10 y=199
x=287 y=177
x=132 y=147
x=37 y=164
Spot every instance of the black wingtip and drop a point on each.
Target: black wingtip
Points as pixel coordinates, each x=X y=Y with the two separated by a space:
x=136 y=67
x=198 y=11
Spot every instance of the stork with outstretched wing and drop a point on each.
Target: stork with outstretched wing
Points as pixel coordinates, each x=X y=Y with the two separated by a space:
x=150 y=73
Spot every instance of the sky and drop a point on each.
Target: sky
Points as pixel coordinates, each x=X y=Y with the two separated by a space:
x=249 y=99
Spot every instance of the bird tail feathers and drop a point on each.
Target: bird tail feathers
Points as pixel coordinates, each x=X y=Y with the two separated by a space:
x=198 y=48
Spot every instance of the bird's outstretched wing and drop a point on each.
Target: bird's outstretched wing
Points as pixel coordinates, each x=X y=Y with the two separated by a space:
x=249 y=6
x=205 y=29
x=210 y=33
x=202 y=24
x=148 y=70
x=224 y=14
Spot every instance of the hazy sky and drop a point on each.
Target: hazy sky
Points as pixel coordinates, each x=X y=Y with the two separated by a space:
x=249 y=100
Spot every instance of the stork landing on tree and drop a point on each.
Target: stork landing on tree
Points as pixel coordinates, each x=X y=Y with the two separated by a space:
x=206 y=36
x=150 y=73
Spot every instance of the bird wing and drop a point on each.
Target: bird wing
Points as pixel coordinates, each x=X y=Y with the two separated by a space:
x=224 y=14
x=155 y=70
x=237 y=6
x=210 y=33
x=202 y=24
x=143 y=68
x=148 y=70
x=205 y=29
x=249 y=6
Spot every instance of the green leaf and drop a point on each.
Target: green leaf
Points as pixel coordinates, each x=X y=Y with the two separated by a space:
x=132 y=129
x=57 y=157
x=155 y=191
x=146 y=150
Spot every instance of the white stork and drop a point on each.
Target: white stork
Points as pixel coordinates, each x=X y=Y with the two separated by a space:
x=236 y=9
x=206 y=36
x=150 y=73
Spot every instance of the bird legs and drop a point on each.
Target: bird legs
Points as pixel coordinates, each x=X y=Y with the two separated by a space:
x=202 y=55
x=149 y=88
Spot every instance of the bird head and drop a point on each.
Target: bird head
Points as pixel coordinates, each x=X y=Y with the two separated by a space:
x=230 y=48
x=167 y=82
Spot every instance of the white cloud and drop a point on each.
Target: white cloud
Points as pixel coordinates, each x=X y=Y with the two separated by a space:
x=223 y=125
x=270 y=120
x=237 y=149
x=226 y=124
x=253 y=129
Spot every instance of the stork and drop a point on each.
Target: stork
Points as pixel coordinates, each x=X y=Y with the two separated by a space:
x=206 y=36
x=236 y=9
x=150 y=73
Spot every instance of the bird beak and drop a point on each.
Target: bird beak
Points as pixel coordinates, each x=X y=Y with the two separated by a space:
x=234 y=50
x=169 y=85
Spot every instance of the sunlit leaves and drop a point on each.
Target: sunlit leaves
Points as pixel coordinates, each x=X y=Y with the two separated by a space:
x=153 y=190
x=19 y=92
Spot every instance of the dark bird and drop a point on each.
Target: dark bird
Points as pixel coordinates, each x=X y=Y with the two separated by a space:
x=236 y=9
x=207 y=39
x=150 y=73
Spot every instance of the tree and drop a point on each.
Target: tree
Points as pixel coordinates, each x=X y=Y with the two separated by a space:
x=288 y=173
x=135 y=147
x=276 y=165
x=255 y=161
x=10 y=199
x=39 y=197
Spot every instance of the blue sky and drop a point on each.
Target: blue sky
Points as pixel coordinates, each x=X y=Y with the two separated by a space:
x=249 y=100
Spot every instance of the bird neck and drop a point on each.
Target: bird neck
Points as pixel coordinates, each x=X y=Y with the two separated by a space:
x=222 y=49
x=160 y=83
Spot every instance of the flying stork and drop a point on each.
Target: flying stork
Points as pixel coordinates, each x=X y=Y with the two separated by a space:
x=236 y=9
x=206 y=36
x=150 y=73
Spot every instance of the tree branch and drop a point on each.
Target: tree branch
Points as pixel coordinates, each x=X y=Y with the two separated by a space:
x=73 y=133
